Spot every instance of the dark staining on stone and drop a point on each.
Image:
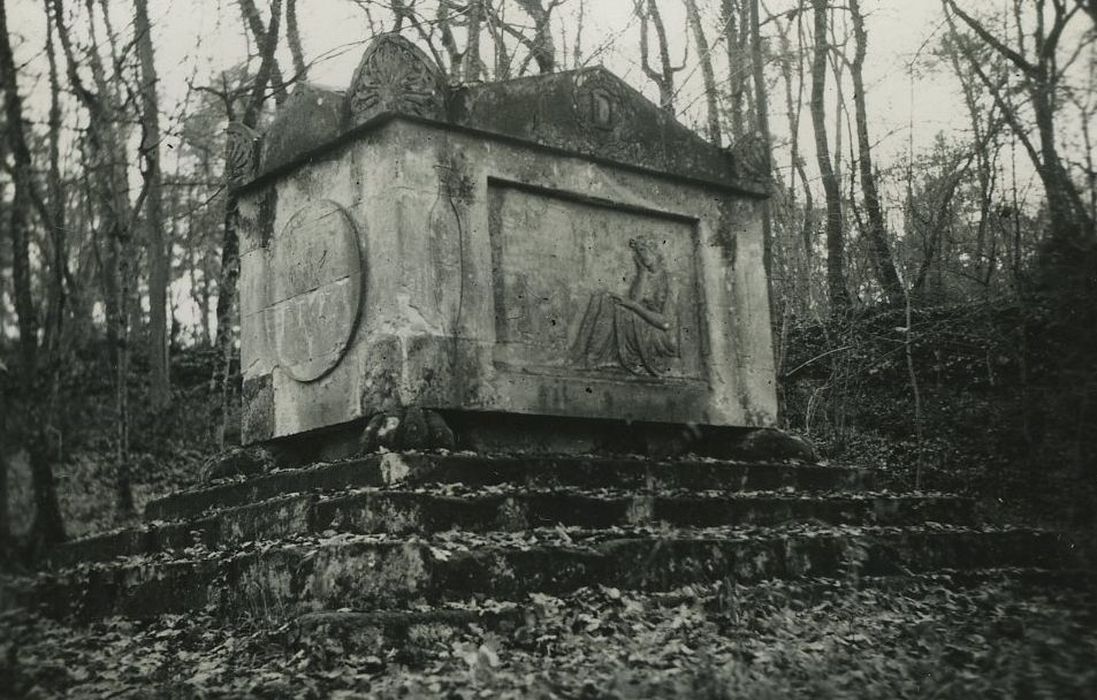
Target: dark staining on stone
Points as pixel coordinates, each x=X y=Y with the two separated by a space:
x=382 y=381
x=455 y=179
x=724 y=236
x=268 y=205
x=311 y=118
x=258 y=409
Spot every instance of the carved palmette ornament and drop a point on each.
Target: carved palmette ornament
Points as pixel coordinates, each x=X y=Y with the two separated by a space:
x=396 y=76
x=241 y=153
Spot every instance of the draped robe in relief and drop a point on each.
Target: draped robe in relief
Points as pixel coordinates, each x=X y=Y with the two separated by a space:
x=613 y=335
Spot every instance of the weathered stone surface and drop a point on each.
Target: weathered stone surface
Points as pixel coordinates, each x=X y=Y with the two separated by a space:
x=539 y=471
x=237 y=461
x=419 y=512
x=550 y=246
x=311 y=117
x=485 y=259
x=314 y=290
x=410 y=429
x=593 y=112
x=370 y=572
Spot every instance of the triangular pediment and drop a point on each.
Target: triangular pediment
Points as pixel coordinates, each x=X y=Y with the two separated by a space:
x=594 y=112
x=589 y=112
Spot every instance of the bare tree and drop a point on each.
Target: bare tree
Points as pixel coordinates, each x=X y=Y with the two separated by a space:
x=293 y=38
x=542 y=46
x=259 y=34
x=875 y=231
x=762 y=127
x=738 y=57
x=794 y=109
x=47 y=528
x=474 y=66
x=56 y=301
x=707 y=73
x=117 y=216
x=836 y=270
x=1040 y=75
x=19 y=213
x=664 y=76
x=159 y=258
x=985 y=125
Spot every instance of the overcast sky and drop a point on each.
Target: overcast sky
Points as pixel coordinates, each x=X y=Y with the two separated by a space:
x=200 y=37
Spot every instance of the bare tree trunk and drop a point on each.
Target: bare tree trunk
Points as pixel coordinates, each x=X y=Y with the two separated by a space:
x=293 y=38
x=116 y=216
x=473 y=62
x=47 y=528
x=794 y=109
x=1070 y=221
x=58 y=239
x=577 y=48
x=159 y=262
x=19 y=211
x=543 y=47
x=736 y=71
x=762 y=128
x=876 y=231
x=707 y=73
x=664 y=77
x=836 y=271
x=985 y=262
x=443 y=21
x=255 y=24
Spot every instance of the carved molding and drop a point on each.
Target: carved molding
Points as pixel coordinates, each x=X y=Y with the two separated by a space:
x=394 y=75
x=241 y=153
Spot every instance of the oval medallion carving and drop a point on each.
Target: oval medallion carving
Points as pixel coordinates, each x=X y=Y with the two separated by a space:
x=314 y=290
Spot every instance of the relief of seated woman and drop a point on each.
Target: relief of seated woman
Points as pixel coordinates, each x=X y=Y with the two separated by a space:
x=635 y=332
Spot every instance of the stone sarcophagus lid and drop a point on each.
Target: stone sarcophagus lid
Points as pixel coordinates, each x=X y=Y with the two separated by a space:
x=550 y=246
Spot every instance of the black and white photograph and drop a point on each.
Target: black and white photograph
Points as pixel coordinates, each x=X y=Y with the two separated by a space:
x=594 y=349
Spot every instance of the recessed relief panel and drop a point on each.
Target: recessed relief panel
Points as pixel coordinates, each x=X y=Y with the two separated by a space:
x=583 y=288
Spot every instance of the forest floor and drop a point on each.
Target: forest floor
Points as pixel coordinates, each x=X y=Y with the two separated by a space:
x=928 y=638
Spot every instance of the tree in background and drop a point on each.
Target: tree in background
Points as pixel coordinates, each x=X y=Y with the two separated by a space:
x=1040 y=71
x=837 y=289
x=159 y=262
x=47 y=529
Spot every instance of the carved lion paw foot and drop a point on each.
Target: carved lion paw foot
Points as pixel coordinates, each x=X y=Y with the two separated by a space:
x=406 y=429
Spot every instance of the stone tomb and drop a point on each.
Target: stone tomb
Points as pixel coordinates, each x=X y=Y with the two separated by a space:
x=546 y=246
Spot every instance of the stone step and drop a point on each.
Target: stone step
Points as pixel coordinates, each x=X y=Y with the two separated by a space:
x=439 y=508
x=281 y=580
x=413 y=631
x=531 y=470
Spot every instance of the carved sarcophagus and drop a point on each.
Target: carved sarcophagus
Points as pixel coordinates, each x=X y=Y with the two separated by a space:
x=551 y=246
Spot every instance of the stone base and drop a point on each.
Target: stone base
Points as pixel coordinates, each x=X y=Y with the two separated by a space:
x=489 y=433
x=389 y=533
